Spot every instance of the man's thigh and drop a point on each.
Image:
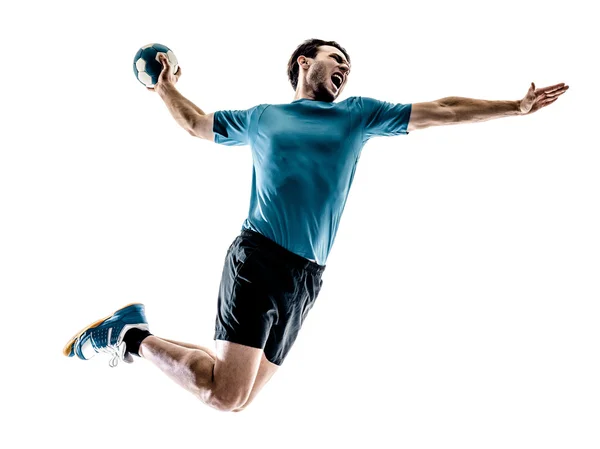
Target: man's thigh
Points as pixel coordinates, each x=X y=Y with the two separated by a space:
x=265 y=372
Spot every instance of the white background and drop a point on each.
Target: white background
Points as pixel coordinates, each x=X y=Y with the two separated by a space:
x=460 y=303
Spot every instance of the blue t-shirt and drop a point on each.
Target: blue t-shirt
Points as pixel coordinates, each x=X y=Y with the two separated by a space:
x=304 y=157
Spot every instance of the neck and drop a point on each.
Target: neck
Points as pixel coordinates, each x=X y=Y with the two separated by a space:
x=301 y=93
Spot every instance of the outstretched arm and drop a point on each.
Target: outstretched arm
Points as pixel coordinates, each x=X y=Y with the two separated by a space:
x=454 y=110
x=189 y=116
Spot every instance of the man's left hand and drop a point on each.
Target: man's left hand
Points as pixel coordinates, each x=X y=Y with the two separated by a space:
x=539 y=98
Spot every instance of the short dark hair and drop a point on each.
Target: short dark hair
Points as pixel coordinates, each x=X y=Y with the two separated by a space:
x=308 y=48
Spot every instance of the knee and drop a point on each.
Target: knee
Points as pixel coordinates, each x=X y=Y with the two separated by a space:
x=240 y=408
x=227 y=401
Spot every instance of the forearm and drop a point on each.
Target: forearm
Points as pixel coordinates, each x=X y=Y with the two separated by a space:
x=470 y=110
x=185 y=113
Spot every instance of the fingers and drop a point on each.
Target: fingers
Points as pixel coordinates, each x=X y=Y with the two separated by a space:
x=556 y=86
x=167 y=69
x=543 y=96
x=547 y=101
x=546 y=95
x=543 y=104
x=561 y=87
x=162 y=58
x=556 y=92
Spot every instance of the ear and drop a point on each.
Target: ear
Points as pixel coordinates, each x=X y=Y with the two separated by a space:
x=303 y=61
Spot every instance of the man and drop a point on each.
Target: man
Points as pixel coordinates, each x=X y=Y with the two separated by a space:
x=304 y=158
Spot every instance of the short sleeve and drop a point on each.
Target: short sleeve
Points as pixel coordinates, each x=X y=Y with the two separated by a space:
x=381 y=118
x=233 y=127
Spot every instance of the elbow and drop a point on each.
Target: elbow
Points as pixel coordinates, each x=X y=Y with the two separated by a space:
x=200 y=126
x=452 y=116
x=446 y=113
x=193 y=127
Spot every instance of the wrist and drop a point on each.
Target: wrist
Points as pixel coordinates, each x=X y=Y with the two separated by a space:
x=518 y=110
x=164 y=89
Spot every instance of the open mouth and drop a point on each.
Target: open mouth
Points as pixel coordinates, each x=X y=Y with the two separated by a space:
x=337 y=80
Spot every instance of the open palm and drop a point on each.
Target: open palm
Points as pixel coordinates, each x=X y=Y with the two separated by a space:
x=539 y=98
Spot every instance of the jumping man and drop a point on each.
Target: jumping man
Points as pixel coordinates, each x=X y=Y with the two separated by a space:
x=304 y=157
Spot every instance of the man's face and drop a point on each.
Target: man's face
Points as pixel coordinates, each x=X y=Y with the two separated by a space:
x=327 y=74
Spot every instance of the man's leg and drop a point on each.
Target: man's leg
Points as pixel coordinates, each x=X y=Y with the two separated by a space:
x=192 y=346
x=227 y=379
x=224 y=382
x=265 y=371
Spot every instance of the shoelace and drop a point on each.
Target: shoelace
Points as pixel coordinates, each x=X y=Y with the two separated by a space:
x=117 y=353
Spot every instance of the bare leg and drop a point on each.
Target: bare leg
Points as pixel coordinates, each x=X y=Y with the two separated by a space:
x=223 y=382
x=265 y=372
x=209 y=351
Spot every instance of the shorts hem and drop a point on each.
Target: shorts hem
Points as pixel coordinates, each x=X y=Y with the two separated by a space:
x=224 y=337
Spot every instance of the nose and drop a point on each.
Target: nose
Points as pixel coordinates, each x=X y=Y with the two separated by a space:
x=344 y=69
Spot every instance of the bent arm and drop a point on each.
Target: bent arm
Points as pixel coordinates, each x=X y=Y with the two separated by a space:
x=189 y=116
x=454 y=110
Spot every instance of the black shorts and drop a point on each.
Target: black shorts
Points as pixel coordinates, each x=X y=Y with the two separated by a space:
x=265 y=294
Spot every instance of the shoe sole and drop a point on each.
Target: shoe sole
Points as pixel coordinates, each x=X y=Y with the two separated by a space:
x=69 y=346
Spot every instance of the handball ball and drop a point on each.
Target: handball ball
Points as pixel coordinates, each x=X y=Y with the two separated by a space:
x=146 y=65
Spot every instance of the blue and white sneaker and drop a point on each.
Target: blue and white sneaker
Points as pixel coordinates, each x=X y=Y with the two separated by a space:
x=106 y=335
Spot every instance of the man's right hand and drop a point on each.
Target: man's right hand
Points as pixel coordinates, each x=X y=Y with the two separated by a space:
x=166 y=78
x=189 y=116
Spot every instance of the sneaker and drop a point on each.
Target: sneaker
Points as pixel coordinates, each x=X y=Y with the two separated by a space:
x=106 y=335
